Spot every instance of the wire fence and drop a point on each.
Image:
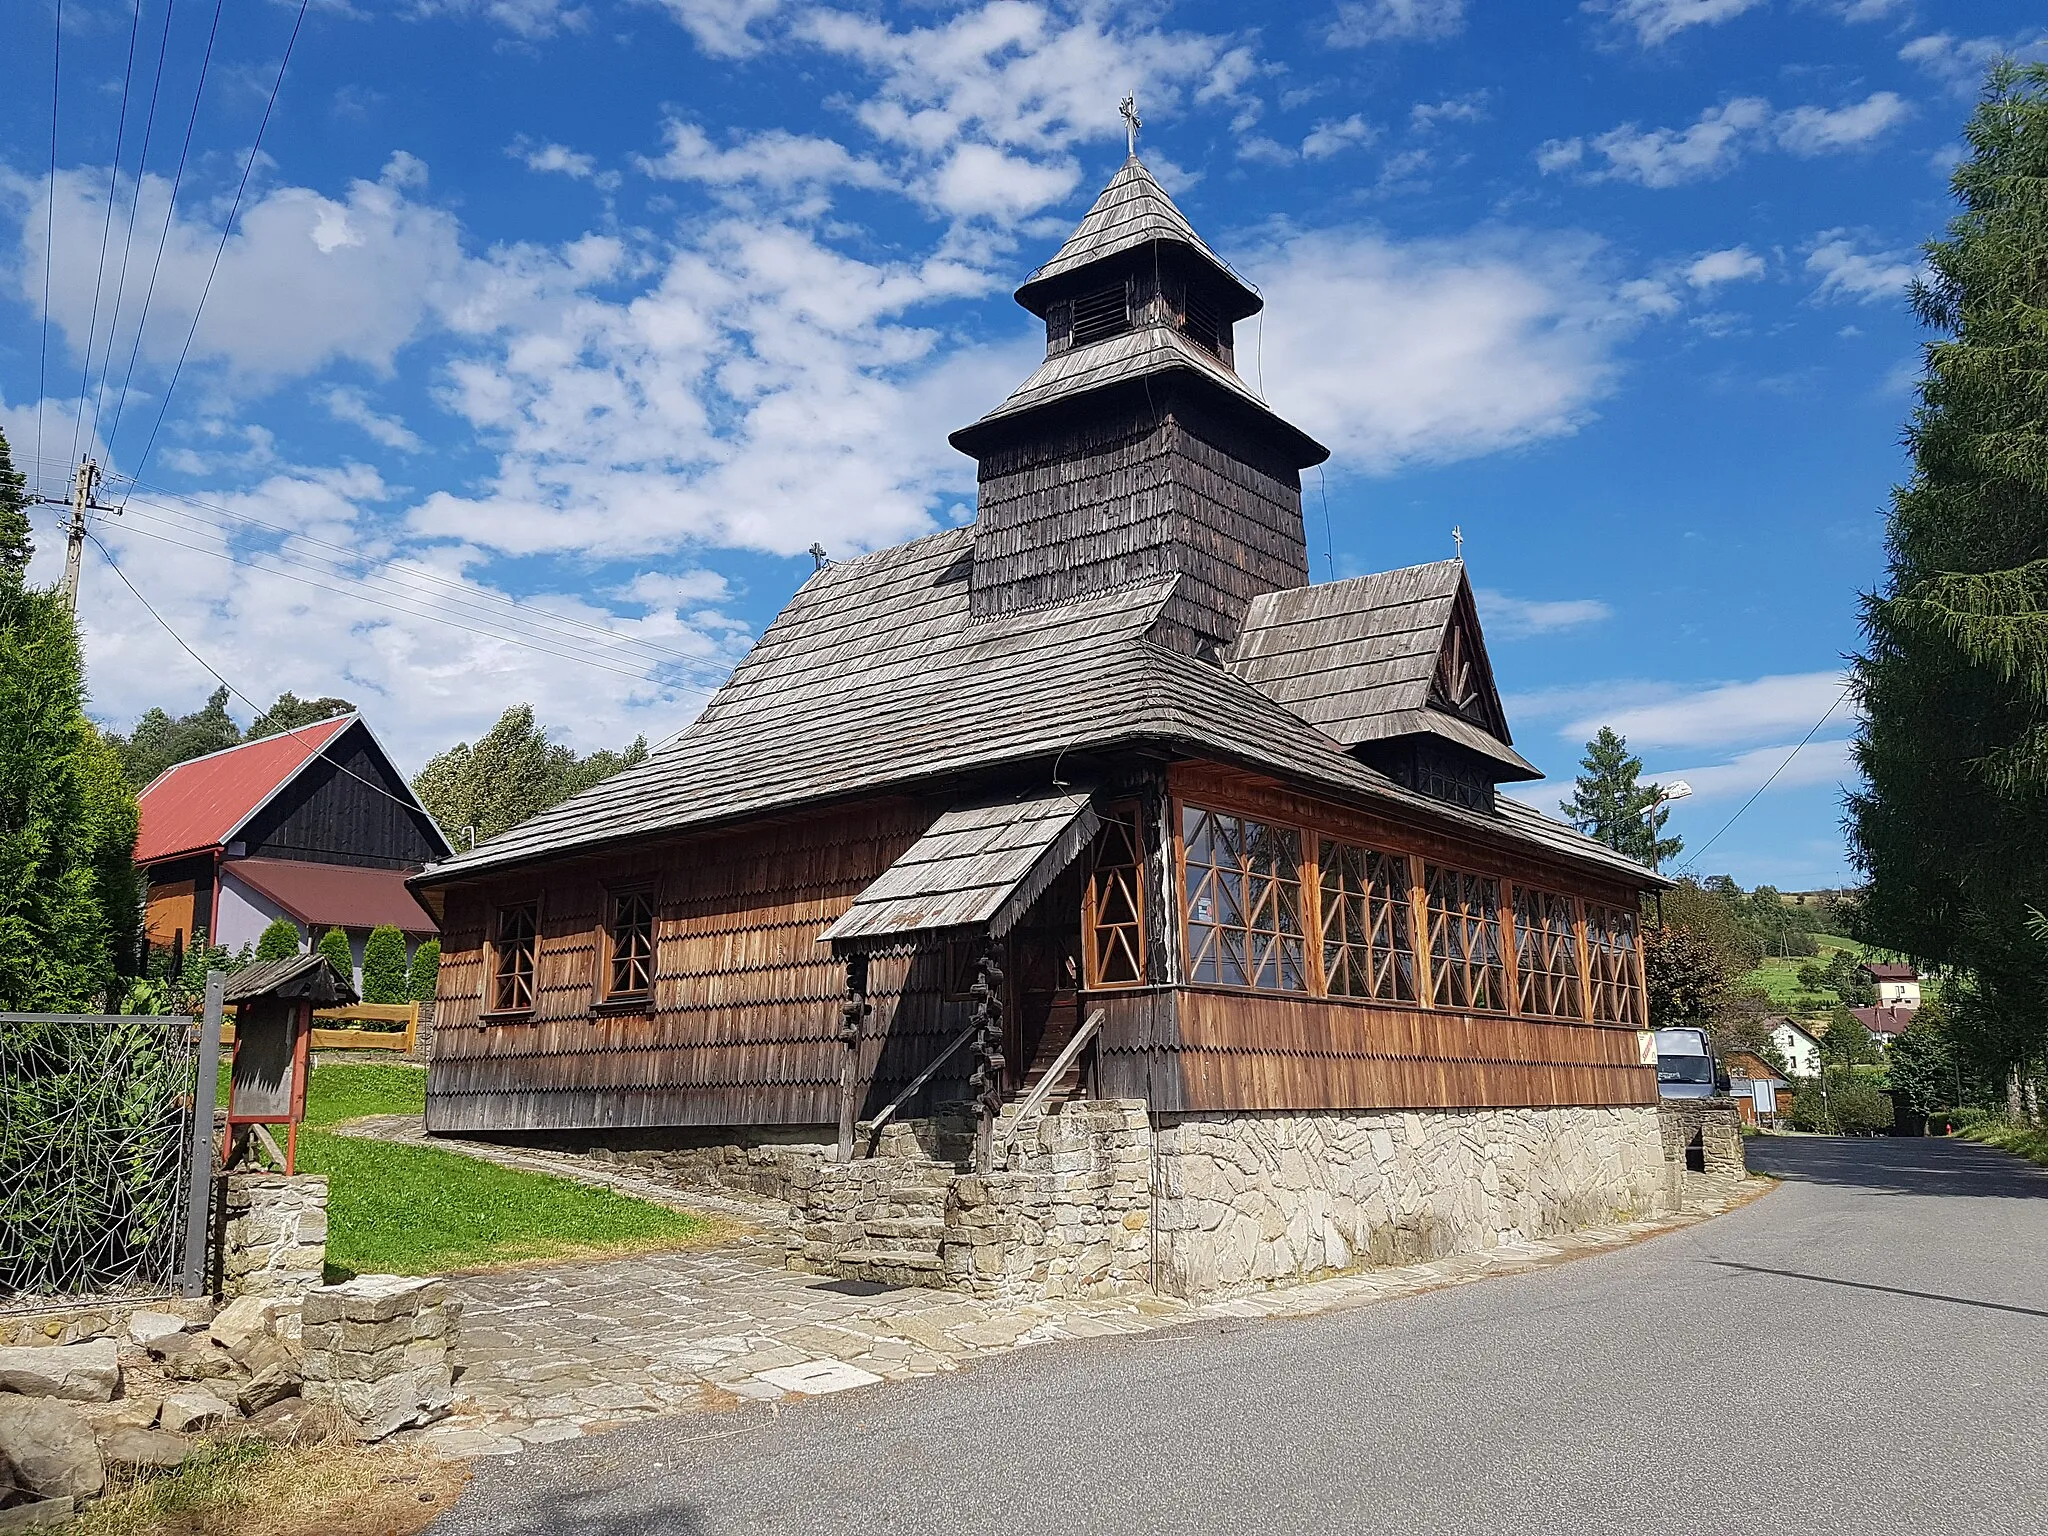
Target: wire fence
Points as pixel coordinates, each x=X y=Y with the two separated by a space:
x=95 y=1141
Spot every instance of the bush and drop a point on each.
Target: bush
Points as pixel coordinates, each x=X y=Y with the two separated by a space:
x=334 y=945
x=384 y=966
x=425 y=976
x=1858 y=1106
x=280 y=941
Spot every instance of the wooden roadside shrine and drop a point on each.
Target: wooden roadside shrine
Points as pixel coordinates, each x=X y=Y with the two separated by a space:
x=274 y=1004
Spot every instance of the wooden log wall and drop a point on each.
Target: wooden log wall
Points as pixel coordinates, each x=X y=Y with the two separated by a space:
x=741 y=1026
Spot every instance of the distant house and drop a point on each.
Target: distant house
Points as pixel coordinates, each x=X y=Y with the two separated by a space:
x=316 y=826
x=1885 y=1024
x=1754 y=1084
x=1898 y=986
x=1800 y=1049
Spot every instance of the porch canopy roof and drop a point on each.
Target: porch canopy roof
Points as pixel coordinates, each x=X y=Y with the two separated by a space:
x=977 y=866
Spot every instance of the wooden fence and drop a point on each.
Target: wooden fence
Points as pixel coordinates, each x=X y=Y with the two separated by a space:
x=352 y=1037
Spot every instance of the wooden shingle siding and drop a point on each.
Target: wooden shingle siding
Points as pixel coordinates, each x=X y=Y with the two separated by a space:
x=741 y=1026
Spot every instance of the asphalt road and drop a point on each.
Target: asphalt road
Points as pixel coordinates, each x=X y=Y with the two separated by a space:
x=1863 y=1350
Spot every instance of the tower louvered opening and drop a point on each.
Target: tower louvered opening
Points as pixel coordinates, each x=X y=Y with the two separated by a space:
x=1101 y=314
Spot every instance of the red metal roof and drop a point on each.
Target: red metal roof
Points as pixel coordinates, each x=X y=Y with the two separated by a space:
x=1884 y=1021
x=1890 y=971
x=193 y=806
x=334 y=895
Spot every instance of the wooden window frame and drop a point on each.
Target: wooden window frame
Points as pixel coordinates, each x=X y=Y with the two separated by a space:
x=1574 y=938
x=1487 y=914
x=1304 y=910
x=494 y=951
x=608 y=991
x=1127 y=814
x=1395 y=898
x=1633 y=1008
x=1314 y=832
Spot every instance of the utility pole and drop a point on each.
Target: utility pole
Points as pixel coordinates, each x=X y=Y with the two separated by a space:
x=83 y=484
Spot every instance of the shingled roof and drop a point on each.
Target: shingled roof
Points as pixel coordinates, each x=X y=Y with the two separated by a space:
x=1132 y=211
x=1358 y=659
x=875 y=678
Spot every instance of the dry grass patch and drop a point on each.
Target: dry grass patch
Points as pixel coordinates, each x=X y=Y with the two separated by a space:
x=252 y=1488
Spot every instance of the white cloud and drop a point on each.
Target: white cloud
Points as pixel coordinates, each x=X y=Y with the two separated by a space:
x=1426 y=116
x=1716 y=141
x=1723 y=716
x=979 y=180
x=1517 y=618
x=1960 y=63
x=1360 y=22
x=558 y=159
x=777 y=160
x=1331 y=137
x=353 y=406
x=1393 y=352
x=1845 y=272
x=304 y=280
x=1817 y=131
x=1713 y=268
x=1796 y=767
x=1868 y=10
x=1657 y=21
x=723 y=28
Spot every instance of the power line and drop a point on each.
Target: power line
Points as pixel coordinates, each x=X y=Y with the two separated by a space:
x=163 y=47
x=227 y=227
x=49 y=227
x=163 y=234
x=1847 y=689
x=638 y=673
x=463 y=593
x=106 y=230
x=291 y=731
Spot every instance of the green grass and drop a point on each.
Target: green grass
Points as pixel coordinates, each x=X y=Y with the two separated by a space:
x=1779 y=977
x=2019 y=1140
x=403 y=1210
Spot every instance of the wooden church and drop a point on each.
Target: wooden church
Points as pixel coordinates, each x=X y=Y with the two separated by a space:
x=1099 y=783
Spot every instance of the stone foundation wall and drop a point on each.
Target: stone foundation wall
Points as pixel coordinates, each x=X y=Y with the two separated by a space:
x=1070 y=1214
x=276 y=1242
x=1253 y=1200
x=752 y=1163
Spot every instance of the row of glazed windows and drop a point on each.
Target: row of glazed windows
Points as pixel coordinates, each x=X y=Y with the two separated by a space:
x=627 y=963
x=1279 y=908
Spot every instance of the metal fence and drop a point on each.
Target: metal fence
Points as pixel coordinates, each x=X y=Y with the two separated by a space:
x=98 y=1144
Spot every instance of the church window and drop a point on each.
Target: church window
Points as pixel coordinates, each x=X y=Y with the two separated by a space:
x=629 y=945
x=1464 y=940
x=1242 y=902
x=1114 y=914
x=1199 y=323
x=1547 y=954
x=512 y=957
x=1611 y=949
x=1367 y=950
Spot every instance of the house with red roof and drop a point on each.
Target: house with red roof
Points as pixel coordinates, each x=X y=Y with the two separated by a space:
x=316 y=826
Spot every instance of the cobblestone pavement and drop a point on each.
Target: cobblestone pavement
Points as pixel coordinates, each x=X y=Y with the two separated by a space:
x=556 y=1351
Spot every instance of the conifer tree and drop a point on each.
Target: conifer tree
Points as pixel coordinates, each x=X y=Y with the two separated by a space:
x=334 y=945
x=1610 y=806
x=1952 y=827
x=70 y=900
x=384 y=966
x=424 y=977
x=278 y=941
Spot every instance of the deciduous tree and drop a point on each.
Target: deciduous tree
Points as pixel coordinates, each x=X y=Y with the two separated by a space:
x=512 y=773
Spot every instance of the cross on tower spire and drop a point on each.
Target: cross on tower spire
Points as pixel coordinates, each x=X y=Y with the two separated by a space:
x=1132 y=122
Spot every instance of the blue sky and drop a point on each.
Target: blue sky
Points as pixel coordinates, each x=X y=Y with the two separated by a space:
x=548 y=336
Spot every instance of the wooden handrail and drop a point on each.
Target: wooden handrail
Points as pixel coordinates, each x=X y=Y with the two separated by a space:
x=1053 y=1074
x=903 y=1098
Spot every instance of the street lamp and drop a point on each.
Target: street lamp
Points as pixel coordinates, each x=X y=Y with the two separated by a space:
x=1677 y=789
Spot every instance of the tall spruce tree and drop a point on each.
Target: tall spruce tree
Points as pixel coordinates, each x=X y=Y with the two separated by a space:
x=1952 y=826
x=1610 y=805
x=70 y=902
